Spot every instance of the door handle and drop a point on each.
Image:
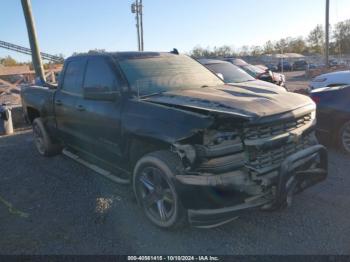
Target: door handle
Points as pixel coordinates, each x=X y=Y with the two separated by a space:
x=80 y=108
x=58 y=102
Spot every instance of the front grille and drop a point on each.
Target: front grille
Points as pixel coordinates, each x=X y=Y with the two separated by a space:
x=274 y=129
x=263 y=161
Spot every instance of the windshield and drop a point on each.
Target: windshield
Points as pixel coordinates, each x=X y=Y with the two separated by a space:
x=156 y=74
x=231 y=73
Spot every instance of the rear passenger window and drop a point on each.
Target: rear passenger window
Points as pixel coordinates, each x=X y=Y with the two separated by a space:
x=99 y=75
x=73 y=76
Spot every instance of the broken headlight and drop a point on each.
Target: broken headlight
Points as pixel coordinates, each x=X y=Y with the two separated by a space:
x=218 y=150
x=215 y=138
x=217 y=143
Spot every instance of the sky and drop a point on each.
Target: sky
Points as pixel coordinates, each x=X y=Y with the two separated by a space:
x=67 y=26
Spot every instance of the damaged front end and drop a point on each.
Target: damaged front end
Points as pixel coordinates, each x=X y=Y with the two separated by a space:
x=241 y=164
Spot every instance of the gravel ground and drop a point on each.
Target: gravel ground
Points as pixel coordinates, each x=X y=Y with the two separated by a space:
x=56 y=206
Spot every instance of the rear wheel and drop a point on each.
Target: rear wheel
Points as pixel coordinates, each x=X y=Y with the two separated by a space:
x=155 y=190
x=42 y=140
x=344 y=137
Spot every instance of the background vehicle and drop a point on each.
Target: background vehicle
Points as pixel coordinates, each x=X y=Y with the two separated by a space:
x=312 y=66
x=272 y=67
x=333 y=62
x=236 y=61
x=264 y=75
x=263 y=67
x=333 y=115
x=331 y=79
x=300 y=65
x=192 y=147
x=286 y=66
x=234 y=74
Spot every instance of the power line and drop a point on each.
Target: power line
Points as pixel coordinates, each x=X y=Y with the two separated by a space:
x=28 y=51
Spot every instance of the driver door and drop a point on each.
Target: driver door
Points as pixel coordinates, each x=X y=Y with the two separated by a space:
x=100 y=119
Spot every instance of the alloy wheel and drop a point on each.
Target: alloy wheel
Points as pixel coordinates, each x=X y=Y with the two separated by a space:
x=345 y=137
x=156 y=195
x=38 y=139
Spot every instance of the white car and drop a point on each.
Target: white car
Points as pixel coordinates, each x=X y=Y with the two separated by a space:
x=331 y=79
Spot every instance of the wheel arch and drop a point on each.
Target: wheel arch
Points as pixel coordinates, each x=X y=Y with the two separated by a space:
x=140 y=146
x=31 y=114
x=339 y=122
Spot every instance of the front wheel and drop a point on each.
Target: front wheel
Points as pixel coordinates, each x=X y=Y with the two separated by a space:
x=155 y=190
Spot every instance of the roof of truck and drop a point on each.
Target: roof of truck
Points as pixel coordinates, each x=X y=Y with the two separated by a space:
x=127 y=55
x=136 y=55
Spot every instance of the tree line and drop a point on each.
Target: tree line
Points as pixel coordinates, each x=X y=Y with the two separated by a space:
x=313 y=44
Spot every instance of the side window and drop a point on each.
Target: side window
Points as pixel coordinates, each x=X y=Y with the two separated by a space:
x=100 y=75
x=73 y=76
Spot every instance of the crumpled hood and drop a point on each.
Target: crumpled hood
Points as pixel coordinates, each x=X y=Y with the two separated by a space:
x=247 y=102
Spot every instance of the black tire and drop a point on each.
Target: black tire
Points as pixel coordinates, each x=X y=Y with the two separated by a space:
x=157 y=170
x=42 y=140
x=344 y=137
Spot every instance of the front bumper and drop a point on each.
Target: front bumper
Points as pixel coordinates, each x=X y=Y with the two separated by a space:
x=297 y=172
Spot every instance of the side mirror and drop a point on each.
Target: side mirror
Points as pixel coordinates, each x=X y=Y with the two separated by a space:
x=221 y=76
x=100 y=93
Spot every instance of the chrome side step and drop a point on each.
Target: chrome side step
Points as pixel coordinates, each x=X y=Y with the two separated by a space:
x=99 y=170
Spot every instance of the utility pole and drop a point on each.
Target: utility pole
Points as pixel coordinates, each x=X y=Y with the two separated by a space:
x=327 y=35
x=33 y=40
x=136 y=8
x=141 y=24
x=138 y=24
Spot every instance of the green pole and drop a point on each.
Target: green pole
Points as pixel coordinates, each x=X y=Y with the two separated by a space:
x=33 y=40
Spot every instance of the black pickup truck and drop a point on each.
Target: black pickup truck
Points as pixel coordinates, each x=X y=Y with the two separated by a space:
x=193 y=148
